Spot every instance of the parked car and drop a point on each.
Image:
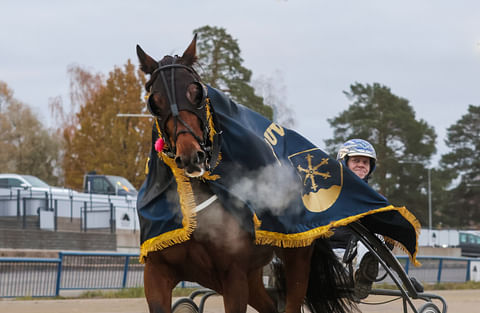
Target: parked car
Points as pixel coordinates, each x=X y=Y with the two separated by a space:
x=108 y=185
x=31 y=183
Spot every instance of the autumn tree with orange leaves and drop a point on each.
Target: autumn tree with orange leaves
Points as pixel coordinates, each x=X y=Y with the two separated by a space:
x=96 y=139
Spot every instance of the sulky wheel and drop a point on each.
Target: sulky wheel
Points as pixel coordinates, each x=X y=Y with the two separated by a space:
x=184 y=305
x=429 y=307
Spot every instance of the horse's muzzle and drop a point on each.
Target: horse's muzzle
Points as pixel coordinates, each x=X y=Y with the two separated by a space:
x=194 y=165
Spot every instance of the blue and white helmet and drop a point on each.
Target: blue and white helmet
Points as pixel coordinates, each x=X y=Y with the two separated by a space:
x=358 y=147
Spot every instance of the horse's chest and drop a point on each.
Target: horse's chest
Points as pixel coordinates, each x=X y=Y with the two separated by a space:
x=218 y=239
x=215 y=226
x=219 y=229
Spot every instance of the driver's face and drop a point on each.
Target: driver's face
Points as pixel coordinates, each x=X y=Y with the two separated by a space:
x=360 y=165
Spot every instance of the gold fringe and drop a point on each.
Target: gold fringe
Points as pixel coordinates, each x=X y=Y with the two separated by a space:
x=256 y=222
x=416 y=225
x=292 y=240
x=185 y=193
x=187 y=205
x=146 y=166
x=162 y=241
x=208 y=176
x=211 y=133
x=211 y=127
x=263 y=237
x=390 y=240
x=158 y=128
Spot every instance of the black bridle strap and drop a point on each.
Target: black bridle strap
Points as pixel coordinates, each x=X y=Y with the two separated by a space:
x=170 y=94
x=173 y=101
x=174 y=96
x=188 y=131
x=177 y=65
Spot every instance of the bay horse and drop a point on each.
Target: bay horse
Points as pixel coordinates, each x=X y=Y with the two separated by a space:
x=221 y=254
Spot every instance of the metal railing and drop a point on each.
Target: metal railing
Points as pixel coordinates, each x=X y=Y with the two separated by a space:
x=99 y=271
x=439 y=269
x=37 y=210
x=35 y=277
x=20 y=277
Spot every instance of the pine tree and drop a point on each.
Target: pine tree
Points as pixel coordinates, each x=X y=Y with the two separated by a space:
x=388 y=122
x=221 y=67
x=462 y=208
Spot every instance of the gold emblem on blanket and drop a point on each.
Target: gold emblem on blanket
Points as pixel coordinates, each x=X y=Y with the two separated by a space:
x=322 y=178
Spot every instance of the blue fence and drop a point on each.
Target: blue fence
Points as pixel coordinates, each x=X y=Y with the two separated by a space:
x=29 y=277
x=436 y=269
x=20 y=277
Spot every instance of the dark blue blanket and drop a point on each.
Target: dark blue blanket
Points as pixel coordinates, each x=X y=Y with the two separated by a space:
x=284 y=190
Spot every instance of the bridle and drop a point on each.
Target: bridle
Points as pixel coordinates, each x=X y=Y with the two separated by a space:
x=199 y=111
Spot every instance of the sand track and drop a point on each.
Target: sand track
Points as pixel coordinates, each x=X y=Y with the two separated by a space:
x=457 y=300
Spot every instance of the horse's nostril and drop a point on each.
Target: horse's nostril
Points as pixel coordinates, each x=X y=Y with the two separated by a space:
x=201 y=156
x=178 y=161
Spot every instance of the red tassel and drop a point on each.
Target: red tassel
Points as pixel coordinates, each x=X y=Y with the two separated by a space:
x=159 y=144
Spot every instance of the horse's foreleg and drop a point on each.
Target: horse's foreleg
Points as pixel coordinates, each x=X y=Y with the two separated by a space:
x=158 y=284
x=258 y=297
x=297 y=270
x=235 y=290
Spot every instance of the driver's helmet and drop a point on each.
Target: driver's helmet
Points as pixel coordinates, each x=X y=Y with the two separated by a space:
x=355 y=147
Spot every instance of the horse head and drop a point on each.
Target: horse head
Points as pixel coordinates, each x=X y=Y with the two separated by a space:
x=178 y=101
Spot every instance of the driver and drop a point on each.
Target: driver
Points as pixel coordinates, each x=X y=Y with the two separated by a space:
x=360 y=157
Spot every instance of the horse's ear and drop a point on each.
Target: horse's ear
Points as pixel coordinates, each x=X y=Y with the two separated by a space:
x=147 y=63
x=190 y=54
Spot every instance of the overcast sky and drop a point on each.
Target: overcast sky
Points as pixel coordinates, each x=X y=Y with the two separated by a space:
x=426 y=51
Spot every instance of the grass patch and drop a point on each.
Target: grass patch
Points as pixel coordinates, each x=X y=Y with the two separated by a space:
x=26 y=298
x=183 y=292
x=137 y=292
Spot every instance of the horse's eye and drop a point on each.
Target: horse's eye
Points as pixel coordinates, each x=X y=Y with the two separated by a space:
x=194 y=93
